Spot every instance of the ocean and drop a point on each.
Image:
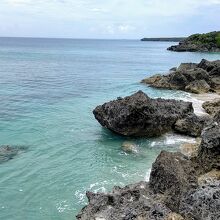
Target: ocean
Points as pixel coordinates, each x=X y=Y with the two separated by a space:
x=48 y=89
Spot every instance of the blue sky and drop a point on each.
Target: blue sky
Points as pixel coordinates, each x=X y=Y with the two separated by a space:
x=126 y=19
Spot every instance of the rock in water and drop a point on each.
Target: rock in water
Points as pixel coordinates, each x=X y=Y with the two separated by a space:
x=7 y=153
x=139 y=115
x=191 y=77
x=129 y=147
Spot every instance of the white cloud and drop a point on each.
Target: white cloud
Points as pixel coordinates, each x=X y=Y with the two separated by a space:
x=115 y=17
x=126 y=28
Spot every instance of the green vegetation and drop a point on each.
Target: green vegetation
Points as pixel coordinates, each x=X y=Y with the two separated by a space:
x=218 y=39
x=209 y=38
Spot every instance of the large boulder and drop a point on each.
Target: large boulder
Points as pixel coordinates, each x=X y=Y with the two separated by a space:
x=212 y=107
x=209 y=149
x=130 y=202
x=202 y=203
x=198 y=86
x=191 y=125
x=172 y=174
x=177 y=80
x=139 y=115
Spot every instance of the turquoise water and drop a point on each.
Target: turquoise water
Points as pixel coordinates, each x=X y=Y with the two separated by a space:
x=48 y=89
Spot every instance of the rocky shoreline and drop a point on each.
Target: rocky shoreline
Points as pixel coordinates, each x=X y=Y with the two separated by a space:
x=196 y=78
x=181 y=186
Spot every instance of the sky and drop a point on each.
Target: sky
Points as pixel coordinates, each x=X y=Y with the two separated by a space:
x=113 y=19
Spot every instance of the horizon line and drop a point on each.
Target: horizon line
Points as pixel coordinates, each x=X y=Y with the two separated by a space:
x=72 y=38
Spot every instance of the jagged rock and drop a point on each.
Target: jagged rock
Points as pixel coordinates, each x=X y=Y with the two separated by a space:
x=130 y=202
x=199 y=42
x=177 y=80
x=209 y=150
x=212 y=107
x=209 y=65
x=172 y=174
x=152 y=79
x=191 y=125
x=139 y=115
x=202 y=203
x=191 y=77
x=216 y=70
x=198 y=86
x=186 y=66
x=196 y=74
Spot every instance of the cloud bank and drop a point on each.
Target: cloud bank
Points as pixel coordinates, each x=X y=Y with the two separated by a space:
x=107 y=19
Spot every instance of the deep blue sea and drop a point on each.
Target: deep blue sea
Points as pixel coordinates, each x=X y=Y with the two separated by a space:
x=48 y=89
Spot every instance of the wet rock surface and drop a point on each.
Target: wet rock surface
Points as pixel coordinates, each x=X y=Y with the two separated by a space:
x=139 y=115
x=198 y=78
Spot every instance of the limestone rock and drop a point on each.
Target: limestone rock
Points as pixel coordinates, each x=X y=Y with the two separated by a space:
x=139 y=115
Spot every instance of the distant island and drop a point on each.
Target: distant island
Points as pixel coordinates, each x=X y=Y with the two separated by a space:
x=166 y=39
x=208 y=42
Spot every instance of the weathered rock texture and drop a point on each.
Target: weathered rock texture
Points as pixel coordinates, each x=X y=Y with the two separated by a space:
x=212 y=107
x=180 y=187
x=172 y=174
x=202 y=203
x=209 y=42
x=139 y=115
x=209 y=150
x=130 y=202
x=191 y=77
x=191 y=125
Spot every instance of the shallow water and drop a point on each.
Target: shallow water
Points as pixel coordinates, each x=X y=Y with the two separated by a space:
x=48 y=89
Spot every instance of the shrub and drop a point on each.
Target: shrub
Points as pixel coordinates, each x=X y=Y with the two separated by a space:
x=217 y=38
